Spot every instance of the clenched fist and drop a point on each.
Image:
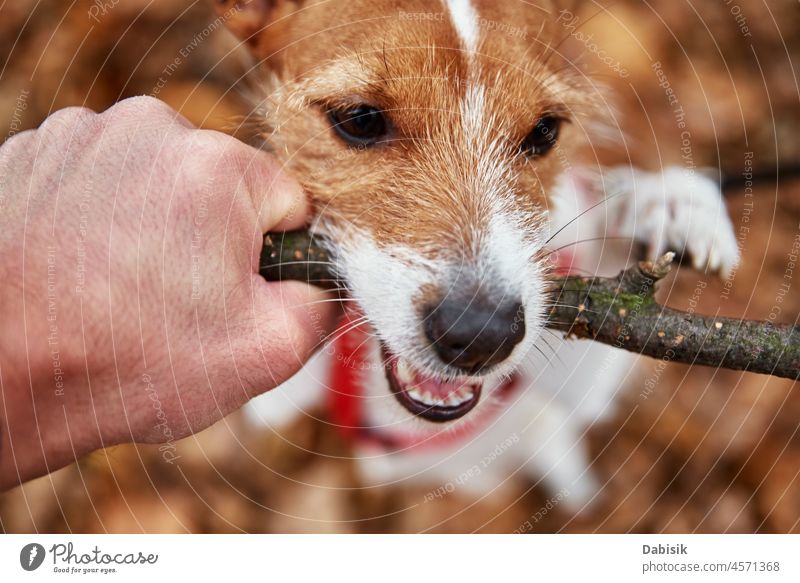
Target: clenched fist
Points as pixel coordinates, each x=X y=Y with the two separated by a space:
x=131 y=308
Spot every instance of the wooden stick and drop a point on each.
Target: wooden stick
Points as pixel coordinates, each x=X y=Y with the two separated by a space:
x=620 y=311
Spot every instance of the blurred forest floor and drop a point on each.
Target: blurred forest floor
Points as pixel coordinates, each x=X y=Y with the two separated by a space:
x=702 y=450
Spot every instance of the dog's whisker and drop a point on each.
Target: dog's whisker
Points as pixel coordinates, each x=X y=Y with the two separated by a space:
x=572 y=271
x=559 y=322
x=590 y=240
x=301 y=262
x=572 y=306
x=326 y=301
x=369 y=336
x=554 y=334
x=540 y=351
x=581 y=214
x=555 y=354
x=349 y=328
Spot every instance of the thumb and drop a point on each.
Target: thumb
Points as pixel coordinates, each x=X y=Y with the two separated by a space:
x=278 y=200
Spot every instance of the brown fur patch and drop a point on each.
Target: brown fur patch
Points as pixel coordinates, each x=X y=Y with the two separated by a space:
x=425 y=187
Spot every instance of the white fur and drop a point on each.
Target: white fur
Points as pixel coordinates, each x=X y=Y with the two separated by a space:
x=565 y=388
x=473 y=106
x=465 y=21
x=385 y=282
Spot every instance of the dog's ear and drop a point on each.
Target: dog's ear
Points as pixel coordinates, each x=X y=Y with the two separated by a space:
x=248 y=19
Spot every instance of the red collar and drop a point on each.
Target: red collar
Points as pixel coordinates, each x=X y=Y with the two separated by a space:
x=344 y=389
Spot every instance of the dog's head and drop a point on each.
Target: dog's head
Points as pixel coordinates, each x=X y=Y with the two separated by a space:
x=428 y=135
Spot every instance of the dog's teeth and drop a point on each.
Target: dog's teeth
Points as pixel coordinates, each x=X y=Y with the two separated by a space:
x=417 y=391
x=464 y=396
x=415 y=394
x=454 y=400
x=404 y=371
x=428 y=399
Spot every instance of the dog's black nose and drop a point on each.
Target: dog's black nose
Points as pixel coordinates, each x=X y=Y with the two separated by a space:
x=473 y=333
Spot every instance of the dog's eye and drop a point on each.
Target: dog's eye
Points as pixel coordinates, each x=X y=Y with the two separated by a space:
x=543 y=136
x=361 y=125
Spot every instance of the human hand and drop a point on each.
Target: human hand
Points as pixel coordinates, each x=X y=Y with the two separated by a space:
x=131 y=308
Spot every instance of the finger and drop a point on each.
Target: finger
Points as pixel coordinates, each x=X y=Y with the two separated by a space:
x=144 y=112
x=291 y=319
x=284 y=205
x=231 y=179
x=279 y=200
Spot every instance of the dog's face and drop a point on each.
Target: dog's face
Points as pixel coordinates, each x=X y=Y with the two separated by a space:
x=428 y=135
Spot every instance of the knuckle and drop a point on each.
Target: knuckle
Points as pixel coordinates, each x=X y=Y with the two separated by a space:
x=18 y=140
x=148 y=115
x=218 y=146
x=142 y=105
x=220 y=155
x=64 y=133
x=69 y=119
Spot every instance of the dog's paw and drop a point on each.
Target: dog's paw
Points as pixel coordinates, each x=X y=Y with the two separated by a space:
x=676 y=211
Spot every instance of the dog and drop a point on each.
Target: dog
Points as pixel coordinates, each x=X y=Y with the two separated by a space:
x=440 y=142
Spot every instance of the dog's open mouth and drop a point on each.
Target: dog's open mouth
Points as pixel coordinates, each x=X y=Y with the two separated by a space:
x=429 y=397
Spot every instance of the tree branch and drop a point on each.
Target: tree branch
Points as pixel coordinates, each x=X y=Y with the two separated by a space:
x=620 y=311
